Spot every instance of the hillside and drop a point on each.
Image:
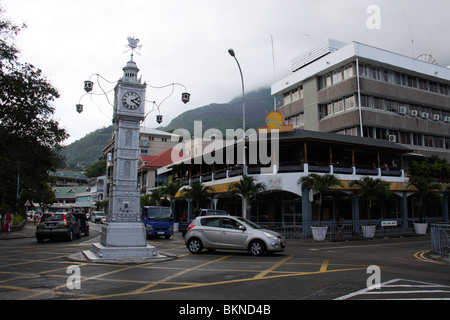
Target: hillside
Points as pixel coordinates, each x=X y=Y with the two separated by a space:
x=223 y=116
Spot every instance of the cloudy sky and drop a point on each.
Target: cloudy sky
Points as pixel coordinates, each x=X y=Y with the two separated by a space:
x=186 y=41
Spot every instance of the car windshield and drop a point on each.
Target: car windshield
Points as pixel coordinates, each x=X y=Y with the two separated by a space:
x=158 y=213
x=52 y=217
x=250 y=223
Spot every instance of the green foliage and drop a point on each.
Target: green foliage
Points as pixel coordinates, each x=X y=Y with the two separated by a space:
x=29 y=136
x=320 y=183
x=79 y=154
x=96 y=169
x=434 y=167
x=371 y=189
x=197 y=192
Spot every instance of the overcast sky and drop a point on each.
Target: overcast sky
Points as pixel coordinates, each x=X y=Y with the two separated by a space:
x=186 y=41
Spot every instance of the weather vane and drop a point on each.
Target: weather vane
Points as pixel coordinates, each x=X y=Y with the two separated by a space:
x=133 y=46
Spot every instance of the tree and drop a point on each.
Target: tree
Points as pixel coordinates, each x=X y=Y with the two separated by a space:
x=247 y=189
x=197 y=192
x=170 y=189
x=320 y=184
x=372 y=189
x=29 y=136
x=96 y=169
x=426 y=186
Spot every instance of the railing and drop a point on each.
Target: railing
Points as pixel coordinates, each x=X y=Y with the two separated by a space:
x=440 y=238
x=337 y=231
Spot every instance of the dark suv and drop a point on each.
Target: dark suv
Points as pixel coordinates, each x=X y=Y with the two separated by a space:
x=58 y=225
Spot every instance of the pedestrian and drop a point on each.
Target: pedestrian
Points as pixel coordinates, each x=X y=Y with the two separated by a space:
x=340 y=226
x=8 y=222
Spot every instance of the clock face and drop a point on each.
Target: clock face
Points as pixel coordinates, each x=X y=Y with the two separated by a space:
x=131 y=100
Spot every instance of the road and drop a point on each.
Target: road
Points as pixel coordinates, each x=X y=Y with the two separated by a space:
x=305 y=271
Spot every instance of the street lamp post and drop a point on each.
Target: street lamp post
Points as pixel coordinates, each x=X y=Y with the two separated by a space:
x=231 y=52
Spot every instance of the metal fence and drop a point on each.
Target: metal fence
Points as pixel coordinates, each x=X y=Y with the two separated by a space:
x=440 y=238
x=337 y=231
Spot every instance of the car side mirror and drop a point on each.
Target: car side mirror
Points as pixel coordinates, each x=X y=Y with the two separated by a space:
x=242 y=228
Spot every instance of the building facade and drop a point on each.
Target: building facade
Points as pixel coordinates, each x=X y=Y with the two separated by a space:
x=359 y=90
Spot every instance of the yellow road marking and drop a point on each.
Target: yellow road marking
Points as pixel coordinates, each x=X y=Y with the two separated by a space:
x=262 y=274
x=324 y=266
x=421 y=256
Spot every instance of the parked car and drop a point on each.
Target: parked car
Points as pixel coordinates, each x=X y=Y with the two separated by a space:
x=97 y=216
x=83 y=219
x=57 y=225
x=235 y=233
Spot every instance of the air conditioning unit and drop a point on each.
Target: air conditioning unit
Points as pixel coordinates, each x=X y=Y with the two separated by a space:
x=436 y=117
x=392 y=138
x=414 y=113
x=425 y=115
x=402 y=110
x=447 y=119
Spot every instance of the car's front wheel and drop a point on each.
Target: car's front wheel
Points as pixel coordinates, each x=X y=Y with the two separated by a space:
x=257 y=248
x=195 y=245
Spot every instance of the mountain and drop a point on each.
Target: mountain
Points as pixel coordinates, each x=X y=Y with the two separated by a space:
x=227 y=115
x=88 y=149
x=258 y=104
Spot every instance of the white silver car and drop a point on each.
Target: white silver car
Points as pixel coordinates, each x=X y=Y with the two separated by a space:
x=231 y=233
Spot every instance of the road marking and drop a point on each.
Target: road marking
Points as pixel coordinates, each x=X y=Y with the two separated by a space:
x=421 y=256
x=262 y=274
x=371 y=291
x=324 y=266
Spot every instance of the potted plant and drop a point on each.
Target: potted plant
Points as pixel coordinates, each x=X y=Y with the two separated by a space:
x=371 y=189
x=320 y=183
x=426 y=186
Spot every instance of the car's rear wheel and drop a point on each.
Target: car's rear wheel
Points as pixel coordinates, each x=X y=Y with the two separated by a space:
x=257 y=248
x=70 y=235
x=195 y=245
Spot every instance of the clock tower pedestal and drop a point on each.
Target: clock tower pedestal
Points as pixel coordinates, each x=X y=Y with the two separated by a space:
x=124 y=237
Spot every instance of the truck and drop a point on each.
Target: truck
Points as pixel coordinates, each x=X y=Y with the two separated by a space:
x=158 y=221
x=202 y=212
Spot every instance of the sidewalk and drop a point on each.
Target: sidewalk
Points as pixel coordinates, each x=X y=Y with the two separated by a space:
x=27 y=231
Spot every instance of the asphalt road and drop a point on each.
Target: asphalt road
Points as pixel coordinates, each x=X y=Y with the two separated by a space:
x=305 y=271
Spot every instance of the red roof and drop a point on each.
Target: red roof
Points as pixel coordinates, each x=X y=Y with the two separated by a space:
x=164 y=159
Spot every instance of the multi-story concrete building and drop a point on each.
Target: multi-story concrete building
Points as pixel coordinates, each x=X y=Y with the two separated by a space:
x=356 y=89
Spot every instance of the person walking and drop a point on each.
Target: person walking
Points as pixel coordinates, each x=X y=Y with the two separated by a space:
x=8 y=222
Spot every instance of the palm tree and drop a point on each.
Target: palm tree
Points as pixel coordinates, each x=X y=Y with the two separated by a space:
x=372 y=189
x=197 y=192
x=247 y=188
x=170 y=189
x=152 y=199
x=320 y=183
x=426 y=186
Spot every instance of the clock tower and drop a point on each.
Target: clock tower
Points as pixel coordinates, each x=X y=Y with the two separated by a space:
x=124 y=236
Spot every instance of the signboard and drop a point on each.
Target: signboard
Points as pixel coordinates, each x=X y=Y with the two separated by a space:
x=389 y=223
x=275 y=121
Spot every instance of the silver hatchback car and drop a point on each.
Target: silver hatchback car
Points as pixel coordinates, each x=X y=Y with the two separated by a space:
x=231 y=233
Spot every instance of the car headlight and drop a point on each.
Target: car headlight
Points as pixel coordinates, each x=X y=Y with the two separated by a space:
x=149 y=227
x=171 y=228
x=270 y=236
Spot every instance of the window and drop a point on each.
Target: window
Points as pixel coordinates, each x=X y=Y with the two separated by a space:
x=350 y=103
x=348 y=71
x=412 y=82
x=337 y=76
x=339 y=106
x=229 y=223
x=328 y=80
x=210 y=222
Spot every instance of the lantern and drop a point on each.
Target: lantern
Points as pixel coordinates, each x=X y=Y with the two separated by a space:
x=79 y=108
x=185 y=97
x=159 y=118
x=88 y=85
